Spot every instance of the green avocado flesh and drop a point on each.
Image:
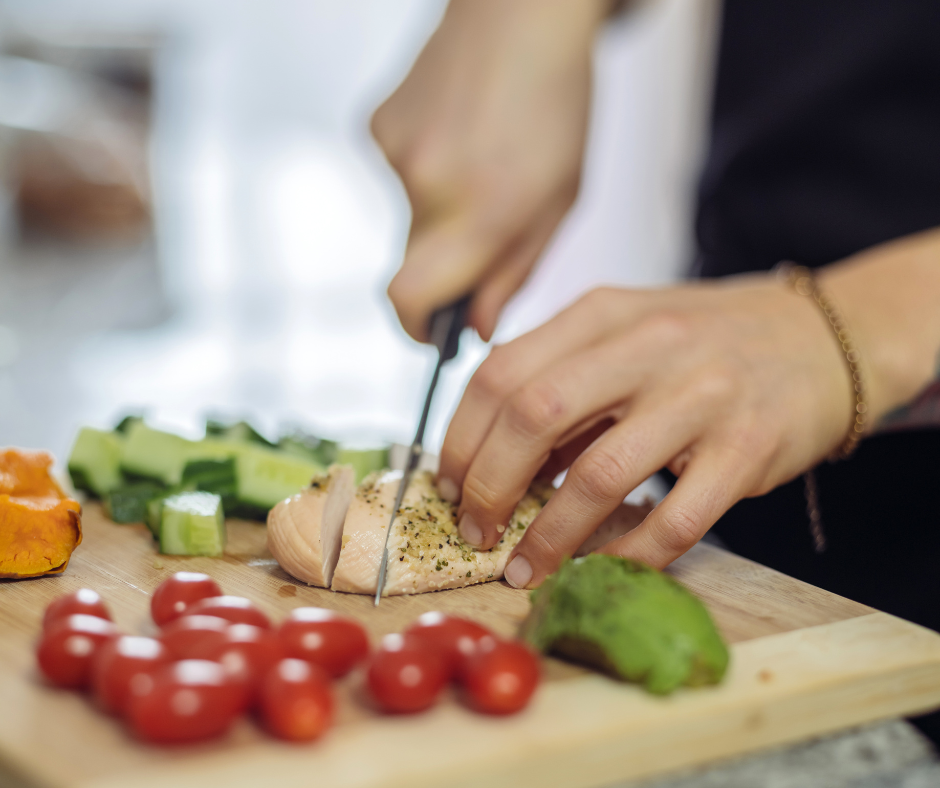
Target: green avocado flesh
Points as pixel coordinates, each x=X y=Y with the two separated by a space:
x=628 y=620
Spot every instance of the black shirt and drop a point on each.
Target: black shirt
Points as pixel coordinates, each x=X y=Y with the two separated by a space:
x=825 y=134
x=825 y=140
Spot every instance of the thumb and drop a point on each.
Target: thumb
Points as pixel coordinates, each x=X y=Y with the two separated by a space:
x=443 y=262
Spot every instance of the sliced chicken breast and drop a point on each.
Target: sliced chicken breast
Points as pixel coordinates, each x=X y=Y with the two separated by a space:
x=305 y=530
x=308 y=537
x=425 y=551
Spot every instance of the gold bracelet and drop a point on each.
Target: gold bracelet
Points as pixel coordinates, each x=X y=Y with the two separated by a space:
x=803 y=280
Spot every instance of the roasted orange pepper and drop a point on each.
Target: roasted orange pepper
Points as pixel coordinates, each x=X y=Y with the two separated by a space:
x=39 y=525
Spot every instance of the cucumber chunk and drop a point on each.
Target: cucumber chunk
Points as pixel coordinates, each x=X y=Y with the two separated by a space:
x=192 y=523
x=363 y=461
x=154 y=454
x=95 y=461
x=128 y=503
x=238 y=432
x=153 y=513
x=266 y=477
x=215 y=476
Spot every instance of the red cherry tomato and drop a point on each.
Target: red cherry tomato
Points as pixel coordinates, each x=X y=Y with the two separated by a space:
x=296 y=701
x=190 y=700
x=455 y=638
x=82 y=602
x=246 y=653
x=500 y=676
x=67 y=648
x=235 y=609
x=406 y=675
x=189 y=636
x=125 y=666
x=321 y=636
x=178 y=592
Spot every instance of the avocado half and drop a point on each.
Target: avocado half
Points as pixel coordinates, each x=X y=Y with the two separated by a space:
x=628 y=620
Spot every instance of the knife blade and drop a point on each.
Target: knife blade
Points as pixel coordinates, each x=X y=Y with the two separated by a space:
x=444 y=333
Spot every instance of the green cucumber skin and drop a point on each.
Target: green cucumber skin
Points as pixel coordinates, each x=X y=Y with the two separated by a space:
x=363 y=461
x=128 y=503
x=266 y=477
x=154 y=454
x=95 y=461
x=262 y=476
x=192 y=523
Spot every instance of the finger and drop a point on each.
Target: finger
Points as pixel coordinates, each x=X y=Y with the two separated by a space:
x=534 y=420
x=601 y=478
x=443 y=262
x=562 y=457
x=507 y=368
x=509 y=275
x=712 y=482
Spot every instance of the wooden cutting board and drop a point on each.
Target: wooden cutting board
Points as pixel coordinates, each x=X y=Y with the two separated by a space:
x=804 y=662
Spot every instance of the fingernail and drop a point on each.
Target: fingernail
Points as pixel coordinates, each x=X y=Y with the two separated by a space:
x=448 y=490
x=519 y=572
x=469 y=531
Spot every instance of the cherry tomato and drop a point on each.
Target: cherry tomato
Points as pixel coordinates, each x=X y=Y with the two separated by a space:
x=189 y=701
x=296 y=700
x=325 y=638
x=67 y=648
x=455 y=638
x=82 y=602
x=236 y=609
x=189 y=636
x=178 y=592
x=406 y=675
x=125 y=666
x=247 y=654
x=500 y=676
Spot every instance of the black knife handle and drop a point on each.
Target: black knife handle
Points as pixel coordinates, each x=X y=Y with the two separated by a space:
x=445 y=327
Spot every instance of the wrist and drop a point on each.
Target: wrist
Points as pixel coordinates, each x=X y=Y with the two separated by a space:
x=889 y=297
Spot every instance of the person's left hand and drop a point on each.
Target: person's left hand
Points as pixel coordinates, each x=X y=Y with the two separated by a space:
x=736 y=387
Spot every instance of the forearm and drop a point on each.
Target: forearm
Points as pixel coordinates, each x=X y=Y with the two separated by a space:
x=890 y=296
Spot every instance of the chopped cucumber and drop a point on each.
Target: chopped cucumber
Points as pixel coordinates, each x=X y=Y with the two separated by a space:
x=304 y=444
x=250 y=478
x=125 y=424
x=363 y=461
x=238 y=432
x=192 y=523
x=215 y=476
x=153 y=513
x=95 y=461
x=266 y=477
x=154 y=454
x=128 y=503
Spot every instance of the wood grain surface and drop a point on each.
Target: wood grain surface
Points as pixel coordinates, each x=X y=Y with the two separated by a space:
x=804 y=662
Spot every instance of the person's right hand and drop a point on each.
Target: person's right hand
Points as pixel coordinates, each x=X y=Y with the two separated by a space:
x=487 y=133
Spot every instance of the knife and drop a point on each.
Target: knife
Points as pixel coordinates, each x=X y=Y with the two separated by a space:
x=444 y=332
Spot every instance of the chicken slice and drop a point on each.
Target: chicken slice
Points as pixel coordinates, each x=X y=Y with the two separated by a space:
x=305 y=530
x=425 y=551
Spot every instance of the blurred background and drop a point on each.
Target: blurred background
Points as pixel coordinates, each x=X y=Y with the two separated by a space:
x=194 y=219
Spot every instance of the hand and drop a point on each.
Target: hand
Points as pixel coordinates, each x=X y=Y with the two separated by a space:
x=735 y=386
x=487 y=133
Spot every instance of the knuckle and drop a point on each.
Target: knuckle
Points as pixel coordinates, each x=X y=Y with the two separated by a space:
x=540 y=548
x=535 y=409
x=494 y=379
x=378 y=126
x=602 y=475
x=426 y=167
x=716 y=384
x=667 y=328
x=477 y=495
x=597 y=299
x=678 y=529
